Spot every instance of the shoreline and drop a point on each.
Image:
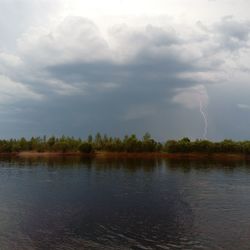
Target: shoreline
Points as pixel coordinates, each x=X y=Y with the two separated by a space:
x=103 y=154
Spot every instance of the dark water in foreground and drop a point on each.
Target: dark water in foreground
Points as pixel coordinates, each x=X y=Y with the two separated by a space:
x=124 y=204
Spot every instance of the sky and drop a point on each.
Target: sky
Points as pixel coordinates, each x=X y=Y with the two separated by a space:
x=172 y=68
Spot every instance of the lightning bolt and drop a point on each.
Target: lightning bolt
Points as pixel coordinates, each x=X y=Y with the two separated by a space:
x=204 y=116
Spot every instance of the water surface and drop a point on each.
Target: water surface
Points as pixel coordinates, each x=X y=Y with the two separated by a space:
x=74 y=203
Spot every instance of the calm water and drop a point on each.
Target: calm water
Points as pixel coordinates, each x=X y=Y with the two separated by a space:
x=124 y=204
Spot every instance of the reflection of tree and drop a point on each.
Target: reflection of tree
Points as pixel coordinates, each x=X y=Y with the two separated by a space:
x=130 y=164
x=206 y=164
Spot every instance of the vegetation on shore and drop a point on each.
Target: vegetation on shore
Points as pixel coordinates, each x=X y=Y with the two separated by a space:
x=129 y=144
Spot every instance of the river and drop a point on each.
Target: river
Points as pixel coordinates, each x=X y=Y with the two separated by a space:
x=77 y=203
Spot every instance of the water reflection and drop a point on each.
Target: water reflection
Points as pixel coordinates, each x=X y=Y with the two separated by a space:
x=123 y=162
x=84 y=203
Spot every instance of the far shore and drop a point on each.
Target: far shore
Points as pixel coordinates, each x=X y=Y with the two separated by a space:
x=104 y=154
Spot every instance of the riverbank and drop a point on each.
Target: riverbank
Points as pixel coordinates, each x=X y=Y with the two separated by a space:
x=103 y=154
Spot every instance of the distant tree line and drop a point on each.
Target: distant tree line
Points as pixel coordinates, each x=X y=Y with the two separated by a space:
x=127 y=144
x=185 y=145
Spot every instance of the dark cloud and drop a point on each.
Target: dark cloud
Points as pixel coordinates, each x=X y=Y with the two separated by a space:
x=122 y=82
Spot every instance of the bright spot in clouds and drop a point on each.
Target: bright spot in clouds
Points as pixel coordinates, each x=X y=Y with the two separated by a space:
x=191 y=97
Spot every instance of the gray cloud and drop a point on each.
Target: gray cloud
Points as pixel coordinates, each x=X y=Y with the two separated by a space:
x=233 y=34
x=149 y=55
x=73 y=78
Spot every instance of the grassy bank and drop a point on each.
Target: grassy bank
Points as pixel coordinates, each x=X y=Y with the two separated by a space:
x=105 y=154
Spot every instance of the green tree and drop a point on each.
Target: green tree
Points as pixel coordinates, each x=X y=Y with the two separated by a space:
x=85 y=147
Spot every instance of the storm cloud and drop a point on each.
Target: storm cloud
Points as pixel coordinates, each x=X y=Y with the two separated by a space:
x=73 y=76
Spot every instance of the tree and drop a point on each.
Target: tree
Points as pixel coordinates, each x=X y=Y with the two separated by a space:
x=146 y=137
x=85 y=147
x=51 y=142
x=90 y=139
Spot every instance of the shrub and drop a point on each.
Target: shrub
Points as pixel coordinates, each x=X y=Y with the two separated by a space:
x=85 y=147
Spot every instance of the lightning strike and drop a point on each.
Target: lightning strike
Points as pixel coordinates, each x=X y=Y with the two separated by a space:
x=204 y=116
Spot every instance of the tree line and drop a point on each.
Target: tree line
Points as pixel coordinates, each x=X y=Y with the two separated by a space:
x=128 y=144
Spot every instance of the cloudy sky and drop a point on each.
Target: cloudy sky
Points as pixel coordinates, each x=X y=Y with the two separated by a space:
x=77 y=67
